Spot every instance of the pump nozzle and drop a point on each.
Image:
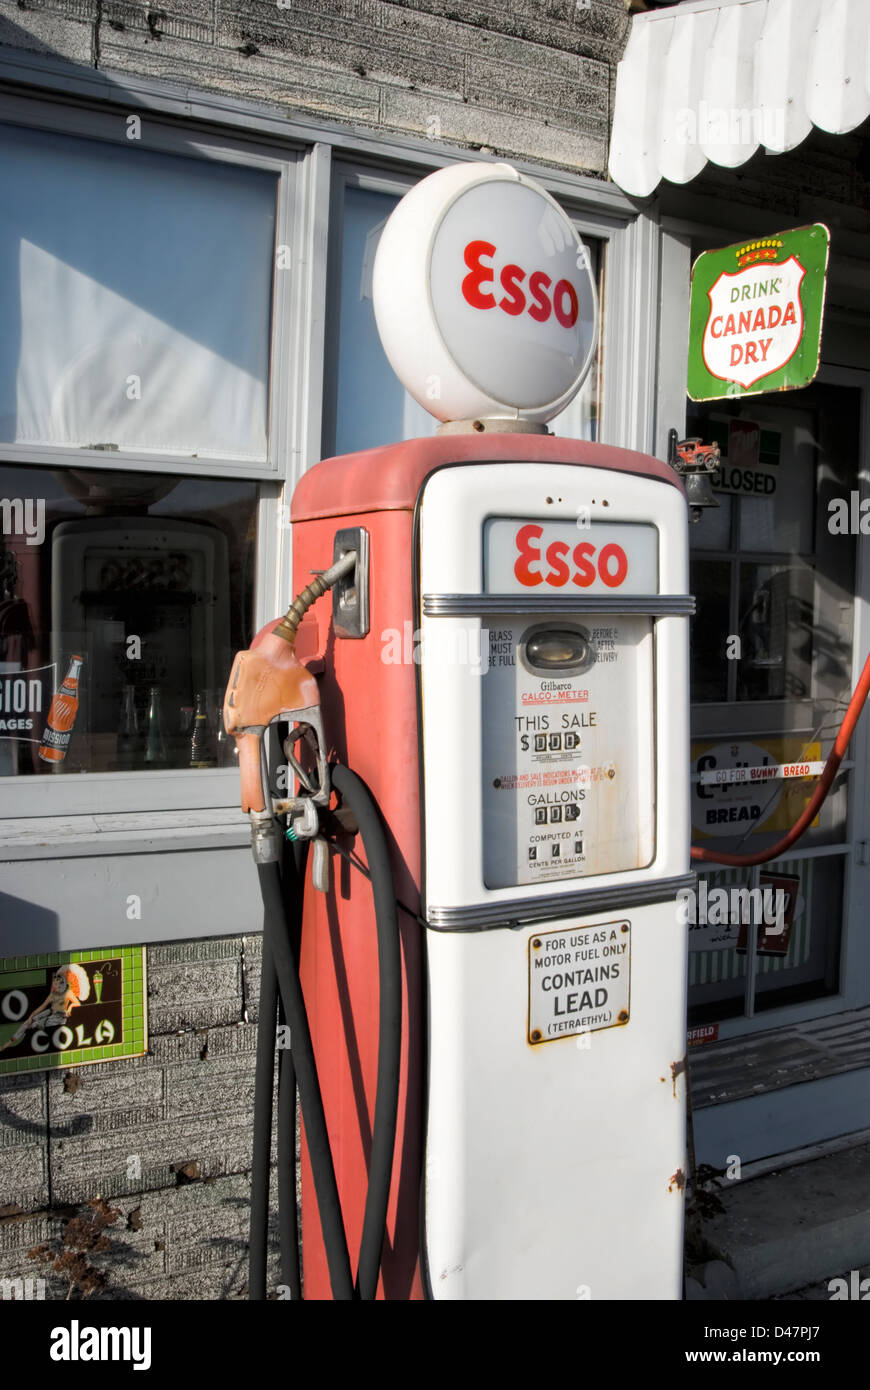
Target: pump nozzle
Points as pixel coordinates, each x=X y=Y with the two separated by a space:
x=267 y=683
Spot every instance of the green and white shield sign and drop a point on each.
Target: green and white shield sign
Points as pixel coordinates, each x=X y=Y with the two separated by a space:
x=755 y=319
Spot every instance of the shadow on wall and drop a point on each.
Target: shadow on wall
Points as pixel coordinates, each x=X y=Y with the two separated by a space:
x=21 y=920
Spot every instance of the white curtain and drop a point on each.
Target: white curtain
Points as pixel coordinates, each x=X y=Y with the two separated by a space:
x=136 y=298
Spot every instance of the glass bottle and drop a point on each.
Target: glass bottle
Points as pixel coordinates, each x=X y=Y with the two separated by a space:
x=181 y=737
x=202 y=740
x=222 y=741
x=155 y=743
x=128 y=729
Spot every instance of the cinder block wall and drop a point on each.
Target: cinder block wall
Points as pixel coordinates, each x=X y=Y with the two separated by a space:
x=166 y=1138
x=530 y=78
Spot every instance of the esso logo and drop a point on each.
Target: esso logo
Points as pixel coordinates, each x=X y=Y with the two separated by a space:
x=559 y=564
x=484 y=296
x=537 y=302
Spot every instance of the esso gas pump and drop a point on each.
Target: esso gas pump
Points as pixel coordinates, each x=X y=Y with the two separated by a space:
x=492 y=1074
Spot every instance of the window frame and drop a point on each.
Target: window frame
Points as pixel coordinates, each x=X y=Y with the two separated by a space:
x=161 y=136
x=289 y=384
x=302 y=152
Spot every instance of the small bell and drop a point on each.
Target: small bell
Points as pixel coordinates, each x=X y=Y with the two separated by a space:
x=699 y=493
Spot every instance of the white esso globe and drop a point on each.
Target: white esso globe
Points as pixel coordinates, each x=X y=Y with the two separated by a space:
x=484 y=297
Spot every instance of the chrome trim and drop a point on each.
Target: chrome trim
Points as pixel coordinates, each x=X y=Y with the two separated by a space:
x=474 y=605
x=621 y=898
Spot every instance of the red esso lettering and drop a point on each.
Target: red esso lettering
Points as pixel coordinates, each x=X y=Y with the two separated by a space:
x=527 y=554
x=480 y=274
x=565 y=292
x=611 y=566
x=539 y=303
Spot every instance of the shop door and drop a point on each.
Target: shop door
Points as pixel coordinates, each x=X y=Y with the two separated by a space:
x=772 y=669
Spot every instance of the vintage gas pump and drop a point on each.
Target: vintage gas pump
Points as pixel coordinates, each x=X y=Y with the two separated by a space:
x=504 y=665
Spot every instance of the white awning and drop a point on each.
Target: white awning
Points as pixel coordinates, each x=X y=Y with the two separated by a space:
x=718 y=79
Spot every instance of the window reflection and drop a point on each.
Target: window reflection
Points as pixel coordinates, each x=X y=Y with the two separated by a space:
x=121 y=606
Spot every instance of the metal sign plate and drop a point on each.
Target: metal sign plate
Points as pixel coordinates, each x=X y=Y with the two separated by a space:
x=579 y=980
x=767 y=799
x=523 y=556
x=71 y=1008
x=756 y=315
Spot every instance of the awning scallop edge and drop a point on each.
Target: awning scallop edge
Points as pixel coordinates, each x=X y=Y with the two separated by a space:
x=718 y=79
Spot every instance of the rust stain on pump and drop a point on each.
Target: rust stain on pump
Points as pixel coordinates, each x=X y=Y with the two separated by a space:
x=677 y=1069
x=677 y=1180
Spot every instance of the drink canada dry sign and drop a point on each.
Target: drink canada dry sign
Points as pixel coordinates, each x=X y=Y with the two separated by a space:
x=756 y=315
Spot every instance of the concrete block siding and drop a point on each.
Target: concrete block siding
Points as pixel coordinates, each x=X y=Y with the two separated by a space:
x=166 y=1138
x=533 y=79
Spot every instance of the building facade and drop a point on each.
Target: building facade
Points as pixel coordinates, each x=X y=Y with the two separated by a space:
x=192 y=201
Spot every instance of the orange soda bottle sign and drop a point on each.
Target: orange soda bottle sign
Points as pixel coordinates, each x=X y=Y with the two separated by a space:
x=62 y=716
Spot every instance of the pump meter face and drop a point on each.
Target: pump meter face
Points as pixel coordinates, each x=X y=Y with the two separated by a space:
x=568 y=770
x=567 y=708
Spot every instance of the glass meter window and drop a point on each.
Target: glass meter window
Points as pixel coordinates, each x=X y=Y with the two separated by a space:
x=568 y=748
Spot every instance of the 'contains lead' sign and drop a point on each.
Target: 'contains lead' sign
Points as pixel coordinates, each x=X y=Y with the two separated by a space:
x=756 y=315
x=484 y=297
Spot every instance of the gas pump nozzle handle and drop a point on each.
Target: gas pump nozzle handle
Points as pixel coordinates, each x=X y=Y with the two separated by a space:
x=268 y=682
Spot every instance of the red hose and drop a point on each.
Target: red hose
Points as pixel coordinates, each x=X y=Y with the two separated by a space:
x=835 y=757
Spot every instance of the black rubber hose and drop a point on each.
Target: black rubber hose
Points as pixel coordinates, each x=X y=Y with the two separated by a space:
x=262 y=1146
x=288 y=1219
x=292 y=884
x=357 y=797
x=311 y=1100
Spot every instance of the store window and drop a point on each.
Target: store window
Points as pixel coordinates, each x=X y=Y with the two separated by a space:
x=771 y=670
x=135 y=295
x=754 y=555
x=138 y=294
x=365 y=404
x=123 y=597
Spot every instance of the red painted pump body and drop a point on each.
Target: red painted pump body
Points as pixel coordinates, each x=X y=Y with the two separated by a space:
x=370 y=717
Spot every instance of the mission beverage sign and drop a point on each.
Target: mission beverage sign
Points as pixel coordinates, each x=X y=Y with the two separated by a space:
x=756 y=315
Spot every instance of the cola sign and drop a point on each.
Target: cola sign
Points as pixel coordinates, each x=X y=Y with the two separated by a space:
x=756 y=315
